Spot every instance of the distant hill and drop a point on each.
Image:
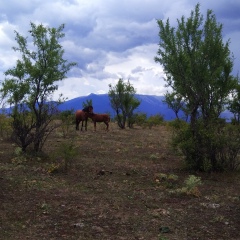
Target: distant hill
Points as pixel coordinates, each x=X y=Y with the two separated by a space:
x=150 y=104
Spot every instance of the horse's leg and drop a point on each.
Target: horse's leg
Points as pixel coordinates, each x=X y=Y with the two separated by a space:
x=82 y=125
x=95 y=126
x=86 y=125
x=77 y=124
x=106 y=125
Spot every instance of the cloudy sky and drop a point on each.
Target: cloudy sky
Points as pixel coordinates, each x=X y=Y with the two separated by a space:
x=109 y=39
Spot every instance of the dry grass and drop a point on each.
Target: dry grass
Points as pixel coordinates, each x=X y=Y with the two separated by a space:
x=122 y=184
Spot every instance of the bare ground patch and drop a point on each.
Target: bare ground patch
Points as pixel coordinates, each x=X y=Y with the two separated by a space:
x=113 y=191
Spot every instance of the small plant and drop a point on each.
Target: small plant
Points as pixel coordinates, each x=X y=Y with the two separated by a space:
x=67 y=118
x=45 y=207
x=191 y=185
x=18 y=151
x=168 y=181
x=65 y=153
x=53 y=168
x=162 y=238
x=173 y=177
x=164 y=176
x=192 y=182
x=20 y=157
x=154 y=156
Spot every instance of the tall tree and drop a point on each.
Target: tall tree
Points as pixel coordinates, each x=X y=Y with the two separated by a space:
x=31 y=83
x=234 y=104
x=198 y=66
x=123 y=101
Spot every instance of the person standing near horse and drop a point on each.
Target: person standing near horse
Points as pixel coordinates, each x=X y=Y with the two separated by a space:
x=81 y=116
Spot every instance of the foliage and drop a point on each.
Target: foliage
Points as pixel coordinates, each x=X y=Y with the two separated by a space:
x=87 y=103
x=191 y=185
x=217 y=147
x=177 y=124
x=229 y=154
x=140 y=118
x=32 y=82
x=19 y=156
x=63 y=156
x=166 y=180
x=5 y=126
x=192 y=182
x=67 y=151
x=67 y=118
x=198 y=68
x=123 y=102
x=175 y=102
x=234 y=104
x=155 y=120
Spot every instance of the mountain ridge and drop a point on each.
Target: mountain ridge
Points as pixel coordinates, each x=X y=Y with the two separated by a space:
x=150 y=104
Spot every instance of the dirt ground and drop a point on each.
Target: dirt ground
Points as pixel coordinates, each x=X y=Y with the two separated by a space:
x=121 y=184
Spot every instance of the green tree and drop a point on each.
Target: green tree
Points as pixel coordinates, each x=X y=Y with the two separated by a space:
x=123 y=101
x=87 y=103
x=29 y=85
x=234 y=104
x=198 y=66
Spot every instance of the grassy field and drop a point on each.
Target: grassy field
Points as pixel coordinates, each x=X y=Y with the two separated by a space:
x=121 y=184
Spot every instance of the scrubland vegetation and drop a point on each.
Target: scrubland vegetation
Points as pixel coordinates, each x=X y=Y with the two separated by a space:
x=120 y=184
x=144 y=178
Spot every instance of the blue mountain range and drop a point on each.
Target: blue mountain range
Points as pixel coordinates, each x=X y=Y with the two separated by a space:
x=149 y=104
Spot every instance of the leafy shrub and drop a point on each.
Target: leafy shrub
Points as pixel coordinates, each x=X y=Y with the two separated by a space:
x=67 y=118
x=155 y=120
x=64 y=156
x=177 y=124
x=191 y=185
x=140 y=118
x=166 y=180
x=229 y=154
x=5 y=126
x=192 y=182
x=209 y=148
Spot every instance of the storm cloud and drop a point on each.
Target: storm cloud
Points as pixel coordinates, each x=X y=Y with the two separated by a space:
x=109 y=39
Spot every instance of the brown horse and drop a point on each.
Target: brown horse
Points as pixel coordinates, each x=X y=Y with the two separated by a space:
x=99 y=118
x=81 y=116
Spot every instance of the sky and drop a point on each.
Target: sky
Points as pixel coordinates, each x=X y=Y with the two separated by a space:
x=109 y=39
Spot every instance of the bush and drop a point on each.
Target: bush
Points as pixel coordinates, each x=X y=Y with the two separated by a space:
x=64 y=156
x=177 y=124
x=140 y=118
x=67 y=118
x=210 y=148
x=5 y=126
x=229 y=156
x=156 y=119
x=191 y=185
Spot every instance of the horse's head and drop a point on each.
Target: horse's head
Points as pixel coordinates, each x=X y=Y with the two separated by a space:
x=88 y=109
